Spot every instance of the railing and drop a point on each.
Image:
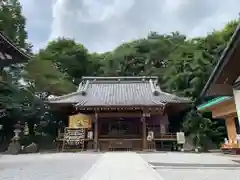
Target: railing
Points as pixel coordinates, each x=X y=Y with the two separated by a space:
x=165 y=136
x=156 y=136
x=120 y=136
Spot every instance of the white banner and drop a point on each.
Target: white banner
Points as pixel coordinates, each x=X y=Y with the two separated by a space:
x=180 y=137
x=237 y=102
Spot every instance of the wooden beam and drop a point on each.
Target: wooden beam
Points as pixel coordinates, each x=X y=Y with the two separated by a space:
x=96 y=132
x=119 y=114
x=227 y=108
x=231 y=128
x=144 y=132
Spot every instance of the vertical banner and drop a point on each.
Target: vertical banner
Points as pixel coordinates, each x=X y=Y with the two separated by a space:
x=180 y=137
x=80 y=121
x=236 y=94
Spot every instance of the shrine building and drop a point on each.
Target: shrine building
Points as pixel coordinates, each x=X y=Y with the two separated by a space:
x=224 y=86
x=122 y=113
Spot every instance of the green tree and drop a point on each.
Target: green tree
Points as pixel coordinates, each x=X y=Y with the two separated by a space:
x=202 y=130
x=12 y=23
x=68 y=57
x=44 y=77
x=187 y=70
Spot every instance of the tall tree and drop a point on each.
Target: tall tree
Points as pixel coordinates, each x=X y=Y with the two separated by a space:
x=68 y=57
x=12 y=23
x=47 y=79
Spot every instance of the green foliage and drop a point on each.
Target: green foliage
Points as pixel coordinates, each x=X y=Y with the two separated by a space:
x=68 y=57
x=201 y=129
x=17 y=102
x=12 y=23
x=46 y=78
x=183 y=66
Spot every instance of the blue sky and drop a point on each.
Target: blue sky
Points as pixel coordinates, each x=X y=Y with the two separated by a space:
x=101 y=25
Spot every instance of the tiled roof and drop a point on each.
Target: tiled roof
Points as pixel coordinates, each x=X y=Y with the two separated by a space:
x=223 y=67
x=119 y=91
x=9 y=53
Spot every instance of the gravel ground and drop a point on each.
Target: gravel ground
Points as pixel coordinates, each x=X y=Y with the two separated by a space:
x=60 y=166
x=189 y=166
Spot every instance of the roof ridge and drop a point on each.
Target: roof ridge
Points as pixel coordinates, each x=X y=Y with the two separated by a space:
x=117 y=78
x=63 y=96
x=118 y=82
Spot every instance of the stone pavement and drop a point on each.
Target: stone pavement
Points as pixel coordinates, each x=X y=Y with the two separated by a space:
x=118 y=166
x=121 y=166
x=190 y=166
x=59 y=166
x=76 y=166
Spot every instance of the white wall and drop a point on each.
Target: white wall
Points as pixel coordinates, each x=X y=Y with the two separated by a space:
x=236 y=94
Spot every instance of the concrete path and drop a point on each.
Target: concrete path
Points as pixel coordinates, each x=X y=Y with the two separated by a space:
x=121 y=166
x=191 y=166
x=59 y=166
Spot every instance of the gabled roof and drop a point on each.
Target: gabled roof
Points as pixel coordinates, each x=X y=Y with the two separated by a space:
x=213 y=102
x=119 y=91
x=227 y=69
x=9 y=53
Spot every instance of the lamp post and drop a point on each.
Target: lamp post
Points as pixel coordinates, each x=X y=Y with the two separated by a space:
x=15 y=146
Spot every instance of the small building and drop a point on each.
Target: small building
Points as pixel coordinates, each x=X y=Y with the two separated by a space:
x=223 y=108
x=224 y=85
x=124 y=111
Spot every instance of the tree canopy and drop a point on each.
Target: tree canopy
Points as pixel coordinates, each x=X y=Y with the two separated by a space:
x=182 y=64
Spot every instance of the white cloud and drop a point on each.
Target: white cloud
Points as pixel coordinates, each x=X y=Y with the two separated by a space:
x=101 y=25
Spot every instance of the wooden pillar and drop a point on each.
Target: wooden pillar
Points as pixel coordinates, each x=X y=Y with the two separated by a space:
x=144 y=133
x=96 y=132
x=231 y=128
x=1 y=73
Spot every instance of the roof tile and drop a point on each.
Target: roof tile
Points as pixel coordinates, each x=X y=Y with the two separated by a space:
x=119 y=91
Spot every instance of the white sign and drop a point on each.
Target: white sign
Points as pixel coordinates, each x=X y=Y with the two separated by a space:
x=236 y=94
x=90 y=135
x=180 y=137
x=150 y=136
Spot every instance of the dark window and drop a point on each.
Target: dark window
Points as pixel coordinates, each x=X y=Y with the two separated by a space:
x=237 y=125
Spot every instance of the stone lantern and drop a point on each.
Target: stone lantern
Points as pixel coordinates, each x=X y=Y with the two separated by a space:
x=15 y=147
x=17 y=130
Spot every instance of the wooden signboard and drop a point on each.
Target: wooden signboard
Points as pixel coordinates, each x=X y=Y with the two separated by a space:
x=80 y=121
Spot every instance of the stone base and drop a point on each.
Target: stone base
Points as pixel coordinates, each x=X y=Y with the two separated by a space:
x=31 y=148
x=14 y=148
